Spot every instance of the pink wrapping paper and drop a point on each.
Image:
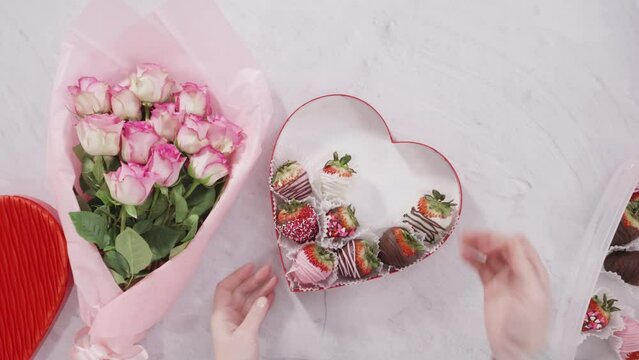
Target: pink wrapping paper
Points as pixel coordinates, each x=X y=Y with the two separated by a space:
x=195 y=43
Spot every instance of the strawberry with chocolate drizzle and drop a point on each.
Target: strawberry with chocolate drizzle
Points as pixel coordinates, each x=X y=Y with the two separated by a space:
x=291 y=181
x=357 y=259
x=297 y=221
x=341 y=222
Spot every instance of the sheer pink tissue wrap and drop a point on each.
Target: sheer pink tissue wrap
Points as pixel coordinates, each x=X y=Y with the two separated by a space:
x=194 y=42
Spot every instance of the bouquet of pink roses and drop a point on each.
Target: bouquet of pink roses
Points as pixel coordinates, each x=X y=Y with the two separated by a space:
x=140 y=204
x=147 y=167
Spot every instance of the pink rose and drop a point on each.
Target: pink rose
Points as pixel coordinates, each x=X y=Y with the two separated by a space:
x=99 y=134
x=224 y=135
x=166 y=121
x=130 y=184
x=165 y=162
x=90 y=96
x=137 y=139
x=208 y=166
x=193 y=99
x=151 y=83
x=125 y=104
x=193 y=134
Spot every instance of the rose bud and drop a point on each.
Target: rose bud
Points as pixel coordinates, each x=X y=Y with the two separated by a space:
x=99 y=134
x=130 y=184
x=193 y=134
x=151 y=83
x=137 y=139
x=90 y=96
x=166 y=121
x=125 y=104
x=193 y=99
x=224 y=135
x=165 y=162
x=208 y=166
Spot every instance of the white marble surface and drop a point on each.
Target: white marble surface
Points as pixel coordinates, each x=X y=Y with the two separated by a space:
x=535 y=103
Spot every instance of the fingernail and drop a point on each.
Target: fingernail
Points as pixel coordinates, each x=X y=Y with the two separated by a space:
x=261 y=302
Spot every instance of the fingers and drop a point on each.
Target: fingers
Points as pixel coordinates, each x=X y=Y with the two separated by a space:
x=536 y=262
x=266 y=289
x=483 y=242
x=255 y=281
x=225 y=288
x=255 y=317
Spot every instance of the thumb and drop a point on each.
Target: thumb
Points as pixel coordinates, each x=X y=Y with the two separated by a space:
x=255 y=316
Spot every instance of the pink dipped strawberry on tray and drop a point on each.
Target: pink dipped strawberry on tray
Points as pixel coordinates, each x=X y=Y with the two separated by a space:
x=297 y=221
x=598 y=315
x=341 y=222
x=290 y=181
x=312 y=265
x=336 y=177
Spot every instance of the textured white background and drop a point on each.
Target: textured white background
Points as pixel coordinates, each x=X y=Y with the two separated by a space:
x=534 y=102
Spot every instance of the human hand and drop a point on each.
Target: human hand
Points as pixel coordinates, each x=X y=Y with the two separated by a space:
x=516 y=292
x=240 y=304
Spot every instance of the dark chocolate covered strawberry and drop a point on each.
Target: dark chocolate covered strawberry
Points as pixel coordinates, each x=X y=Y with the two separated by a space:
x=628 y=229
x=399 y=248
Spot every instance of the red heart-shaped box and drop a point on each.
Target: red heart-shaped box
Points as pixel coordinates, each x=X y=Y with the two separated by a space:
x=391 y=174
x=34 y=275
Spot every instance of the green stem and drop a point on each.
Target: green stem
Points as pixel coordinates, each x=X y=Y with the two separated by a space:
x=191 y=188
x=123 y=215
x=155 y=198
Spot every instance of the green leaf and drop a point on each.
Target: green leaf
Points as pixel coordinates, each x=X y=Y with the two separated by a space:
x=164 y=191
x=176 y=250
x=130 y=209
x=134 y=249
x=161 y=240
x=202 y=201
x=181 y=208
x=98 y=169
x=146 y=204
x=79 y=152
x=116 y=262
x=191 y=222
x=105 y=195
x=90 y=226
x=161 y=205
x=142 y=226
x=117 y=277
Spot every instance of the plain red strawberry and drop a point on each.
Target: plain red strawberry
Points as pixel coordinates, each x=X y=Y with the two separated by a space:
x=297 y=221
x=365 y=257
x=318 y=256
x=339 y=166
